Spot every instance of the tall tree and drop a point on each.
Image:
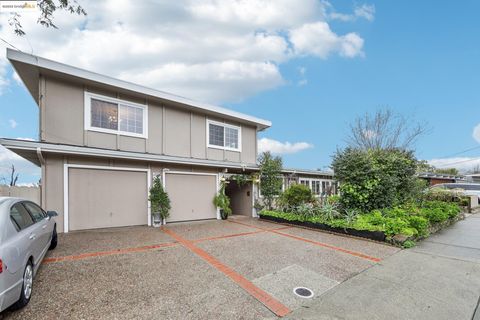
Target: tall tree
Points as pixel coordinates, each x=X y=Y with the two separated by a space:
x=270 y=177
x=384 y=129
x=47 y=9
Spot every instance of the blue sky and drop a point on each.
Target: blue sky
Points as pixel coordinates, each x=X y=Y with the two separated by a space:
x=420 y=58
x=420 y=62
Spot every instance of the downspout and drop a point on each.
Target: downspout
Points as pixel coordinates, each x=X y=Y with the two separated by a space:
x=40 y=156
x=41 y=159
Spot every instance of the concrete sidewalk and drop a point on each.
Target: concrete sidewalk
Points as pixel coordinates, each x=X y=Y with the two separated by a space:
x=439 y=279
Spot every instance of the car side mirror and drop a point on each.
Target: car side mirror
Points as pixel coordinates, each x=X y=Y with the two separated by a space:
x=52 y=214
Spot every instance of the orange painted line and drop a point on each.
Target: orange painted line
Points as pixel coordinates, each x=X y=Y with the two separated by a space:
x=108 y=253
x=227 y=236
x=270 y=302
x=282 y=228
x=143 y=248
x=317 y=243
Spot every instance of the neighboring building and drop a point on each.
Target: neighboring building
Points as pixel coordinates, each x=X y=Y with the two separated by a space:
x=473 y=177
x=437 y=178
x=320 y=182
x=102 y=140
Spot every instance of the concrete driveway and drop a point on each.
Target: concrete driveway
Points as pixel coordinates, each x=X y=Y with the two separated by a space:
x=241 y=268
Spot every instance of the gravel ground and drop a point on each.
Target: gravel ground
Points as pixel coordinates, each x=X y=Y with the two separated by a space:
x=259 y=254
x=162 y=284
x=174 y=283
x=204 y=229
x=77 y=242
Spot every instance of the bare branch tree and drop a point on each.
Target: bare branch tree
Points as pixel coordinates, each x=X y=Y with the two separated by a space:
x=384 y=130
x=13 y=177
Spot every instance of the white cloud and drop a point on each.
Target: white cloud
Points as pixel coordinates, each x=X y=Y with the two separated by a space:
x=26 y=169
x=278 y=147
x=13 y=124
x=211 y=50
x=302 y=71
x=476 y=133
x=364 y=11
x=463 y=164
x=319 y=40
x=26 y=139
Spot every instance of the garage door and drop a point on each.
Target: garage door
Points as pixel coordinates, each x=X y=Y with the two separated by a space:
x=106 y=198
x=191 y=196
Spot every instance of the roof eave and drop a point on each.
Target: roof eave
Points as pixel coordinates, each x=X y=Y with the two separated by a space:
x=19 y=146
x=17 y=58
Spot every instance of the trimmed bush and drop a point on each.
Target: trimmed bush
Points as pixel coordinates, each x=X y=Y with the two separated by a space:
x=296 y=195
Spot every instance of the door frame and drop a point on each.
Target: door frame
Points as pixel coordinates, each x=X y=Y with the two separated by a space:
x=68 y=166
x=216 y=175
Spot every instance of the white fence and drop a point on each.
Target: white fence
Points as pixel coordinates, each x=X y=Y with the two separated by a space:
x=29 y=193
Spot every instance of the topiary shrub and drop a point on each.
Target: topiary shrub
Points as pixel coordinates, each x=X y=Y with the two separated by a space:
x=296 y=195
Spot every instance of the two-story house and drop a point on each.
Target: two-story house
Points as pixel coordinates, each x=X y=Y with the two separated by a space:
x=102 y=140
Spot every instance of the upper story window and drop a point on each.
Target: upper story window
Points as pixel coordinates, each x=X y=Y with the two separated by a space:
x=223 y=136
x=116 y=116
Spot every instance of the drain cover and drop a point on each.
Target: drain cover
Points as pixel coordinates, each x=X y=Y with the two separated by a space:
x=303 y=292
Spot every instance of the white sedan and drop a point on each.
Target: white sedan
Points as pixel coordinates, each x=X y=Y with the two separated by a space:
x=26 y=233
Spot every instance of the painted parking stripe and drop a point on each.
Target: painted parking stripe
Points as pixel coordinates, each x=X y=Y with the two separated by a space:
x=227 y=236
x=237 y=235
x=108 y=253
x=317 y=243
x=144 y=248
x=270 y=302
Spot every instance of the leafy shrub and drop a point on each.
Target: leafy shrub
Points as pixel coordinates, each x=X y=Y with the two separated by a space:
x=333 y=199
x=296 y=195
x=409 y=244
x=375 y=178
x=446 y=195
x=420 y=224
x=438 y=211
x=270 y=177
x=410 y=219
x=159 y=200
x=350 y=216
x=328 y=211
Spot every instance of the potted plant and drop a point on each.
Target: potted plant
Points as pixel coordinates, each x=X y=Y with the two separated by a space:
x=222 y=201
x=160 y=203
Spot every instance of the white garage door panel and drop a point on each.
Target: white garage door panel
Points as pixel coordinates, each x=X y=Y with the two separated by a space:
x=106 y=198
x=191 y=196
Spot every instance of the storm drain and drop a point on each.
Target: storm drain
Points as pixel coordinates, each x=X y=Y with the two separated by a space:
x=303 y=292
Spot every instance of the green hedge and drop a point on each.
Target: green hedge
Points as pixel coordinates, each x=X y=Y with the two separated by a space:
x=410 y=220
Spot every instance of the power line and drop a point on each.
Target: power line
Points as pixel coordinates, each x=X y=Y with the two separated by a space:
x=457 y=162
x=461 y=152
x=11 y=45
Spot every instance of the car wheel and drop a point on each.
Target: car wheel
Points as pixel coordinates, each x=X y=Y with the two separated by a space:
x=53 y=243
x=27 y=286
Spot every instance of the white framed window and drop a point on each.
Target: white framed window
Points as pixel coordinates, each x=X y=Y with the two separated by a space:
x=224 y=136
x=110 y=115
x=314 y=184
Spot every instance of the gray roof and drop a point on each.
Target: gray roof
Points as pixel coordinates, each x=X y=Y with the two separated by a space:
x=440 y=176
x=29 y=67
x=307 y=172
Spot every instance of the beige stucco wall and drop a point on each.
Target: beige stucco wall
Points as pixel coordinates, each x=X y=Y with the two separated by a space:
x=171 y=130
